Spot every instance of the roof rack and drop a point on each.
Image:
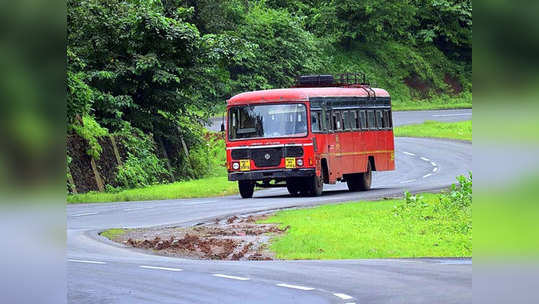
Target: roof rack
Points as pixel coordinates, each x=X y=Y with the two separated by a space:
x=345 y=80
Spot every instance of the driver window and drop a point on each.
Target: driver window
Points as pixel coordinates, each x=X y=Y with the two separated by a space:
x=315 y=121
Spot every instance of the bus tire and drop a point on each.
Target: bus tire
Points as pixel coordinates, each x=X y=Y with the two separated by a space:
x=294 y=186
x=316 y=186
x=247 y=188
x=361 y=181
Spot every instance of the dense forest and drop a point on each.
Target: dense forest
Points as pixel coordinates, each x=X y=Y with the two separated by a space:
x=152 y=71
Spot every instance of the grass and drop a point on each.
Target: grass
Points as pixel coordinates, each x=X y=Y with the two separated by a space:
x=416 y=106
x=463 y=101
x=455 y=130
x=204 y=187
x=382 y=229
x=113 y=233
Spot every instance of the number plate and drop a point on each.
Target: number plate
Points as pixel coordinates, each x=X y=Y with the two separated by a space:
x=245 y=165
x=290 y=162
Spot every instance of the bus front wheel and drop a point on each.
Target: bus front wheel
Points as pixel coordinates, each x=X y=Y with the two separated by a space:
x=316 y=186
x=246 y=188
x=294 y=187
x=360 y=181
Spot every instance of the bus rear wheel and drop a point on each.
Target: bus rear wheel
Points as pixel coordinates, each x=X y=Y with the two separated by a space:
x=360 y=181
x=247 y=188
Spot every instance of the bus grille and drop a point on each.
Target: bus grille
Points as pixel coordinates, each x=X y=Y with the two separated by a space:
x=240 y=154
x=293 y=151
x=269 y=157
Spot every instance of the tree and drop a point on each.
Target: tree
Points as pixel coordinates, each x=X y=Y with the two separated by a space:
x=142 y=63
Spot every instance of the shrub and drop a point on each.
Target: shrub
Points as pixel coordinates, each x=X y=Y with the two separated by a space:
x=142 y=171
x=142 y=166
x=454 y=206
x=90 y=130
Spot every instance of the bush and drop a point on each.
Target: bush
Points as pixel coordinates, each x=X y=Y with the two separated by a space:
x=454 y=206
x=90 y=130
x=142 y=167
x=206 y=159
x=142 y=171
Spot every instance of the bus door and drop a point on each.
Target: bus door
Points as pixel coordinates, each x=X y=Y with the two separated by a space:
x=335 y=147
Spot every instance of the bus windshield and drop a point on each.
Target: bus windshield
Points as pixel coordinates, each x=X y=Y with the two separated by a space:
x=267 y=121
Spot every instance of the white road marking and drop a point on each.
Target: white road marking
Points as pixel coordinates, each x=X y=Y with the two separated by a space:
x=408 y=153
x=200 y=203
x=83 y=214
x=433 y=163
x=161 y=268
x=138 y=208
x=408 y=181
x=230 y=277
x=425 y=159
x=427 y=175
x=445 y=115
x=435 y=169
x=343 y=296
x=295 y=286
x=87 y=262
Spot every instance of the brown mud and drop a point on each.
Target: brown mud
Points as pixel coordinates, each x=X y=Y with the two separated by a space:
x=233 y=238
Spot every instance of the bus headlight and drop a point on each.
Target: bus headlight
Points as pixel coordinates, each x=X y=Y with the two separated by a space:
x=235 y=166
x=299 y=162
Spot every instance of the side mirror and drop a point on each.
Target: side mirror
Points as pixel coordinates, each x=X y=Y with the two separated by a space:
x=222 y=127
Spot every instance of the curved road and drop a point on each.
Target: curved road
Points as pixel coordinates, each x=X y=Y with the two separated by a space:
x=100 y=271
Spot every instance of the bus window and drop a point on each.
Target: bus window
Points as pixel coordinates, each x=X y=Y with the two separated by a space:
x=370 y=120
x=363 y=119
x=337 y=121
x=315 y=121
x=387 y=118
x=354 y=120
x=379 y=119
x=347 y=121
x=329 y=125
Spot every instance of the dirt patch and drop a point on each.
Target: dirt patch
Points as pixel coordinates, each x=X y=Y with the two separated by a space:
x=421 y=88
x=453 y=83
x=233 y=238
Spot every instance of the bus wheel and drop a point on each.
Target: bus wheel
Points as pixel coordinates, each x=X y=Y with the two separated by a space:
x=293 y=188
x=361 y=181
x=316 y=186
x=246 y=188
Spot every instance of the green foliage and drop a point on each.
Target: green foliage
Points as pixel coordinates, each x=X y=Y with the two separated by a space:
x=140 y=172
x=456 y=204
x=206 y=159
x=90 y=130
x=140 y=58
x=279 y=49
x=142 y=166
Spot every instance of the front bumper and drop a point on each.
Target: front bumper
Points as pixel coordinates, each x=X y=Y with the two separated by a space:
x=260 y=175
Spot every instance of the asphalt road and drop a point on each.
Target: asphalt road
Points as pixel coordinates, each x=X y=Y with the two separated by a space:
x=100 y=271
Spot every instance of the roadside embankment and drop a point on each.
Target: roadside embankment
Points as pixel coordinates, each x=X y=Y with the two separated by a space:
x=461 y=130
x=426 y=225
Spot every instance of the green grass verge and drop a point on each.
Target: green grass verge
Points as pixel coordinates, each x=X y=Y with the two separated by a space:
x=204 y=187
x=374 y=230
x=112 y=233
x=463 y=101
x=455 y=130
x=416 y=106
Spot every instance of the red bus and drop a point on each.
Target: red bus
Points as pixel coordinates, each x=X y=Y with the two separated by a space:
x=316 y=133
